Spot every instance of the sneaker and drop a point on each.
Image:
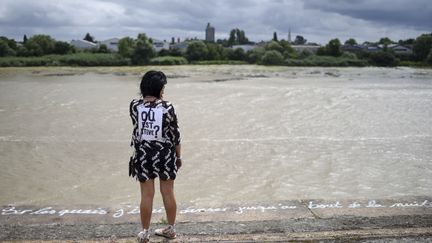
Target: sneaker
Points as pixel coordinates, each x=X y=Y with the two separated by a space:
x=143 y=236
x=168 y=232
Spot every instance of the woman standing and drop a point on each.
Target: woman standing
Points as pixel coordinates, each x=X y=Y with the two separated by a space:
x=156 y=139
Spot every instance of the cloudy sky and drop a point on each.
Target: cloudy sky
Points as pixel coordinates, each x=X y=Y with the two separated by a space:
x=316 y=20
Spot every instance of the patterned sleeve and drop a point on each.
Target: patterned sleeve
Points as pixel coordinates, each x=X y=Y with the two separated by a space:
x=174 y=128
x=134 y=116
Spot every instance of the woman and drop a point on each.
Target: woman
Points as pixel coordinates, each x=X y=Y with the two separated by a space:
x=156 y=139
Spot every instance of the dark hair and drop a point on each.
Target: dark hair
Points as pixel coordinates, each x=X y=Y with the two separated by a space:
x=152 y=83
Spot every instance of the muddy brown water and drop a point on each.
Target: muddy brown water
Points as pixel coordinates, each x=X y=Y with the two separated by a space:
x=249 y=134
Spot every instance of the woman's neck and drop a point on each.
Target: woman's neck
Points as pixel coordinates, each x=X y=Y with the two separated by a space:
x=150 y=98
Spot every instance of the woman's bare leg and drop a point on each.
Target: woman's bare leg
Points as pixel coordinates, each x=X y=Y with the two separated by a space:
x=146 y=206
x=167 y=191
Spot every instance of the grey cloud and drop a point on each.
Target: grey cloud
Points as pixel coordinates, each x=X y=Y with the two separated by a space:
x=317 y=20
x=27 y=14
x=414 y=13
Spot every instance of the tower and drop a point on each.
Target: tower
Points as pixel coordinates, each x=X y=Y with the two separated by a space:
x=210 y=33
x=289 y=36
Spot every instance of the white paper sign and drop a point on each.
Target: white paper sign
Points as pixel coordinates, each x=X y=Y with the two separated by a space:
x=150 y=123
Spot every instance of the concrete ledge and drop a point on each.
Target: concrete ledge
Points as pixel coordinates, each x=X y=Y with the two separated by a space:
x=292 y=229
x=408 y=219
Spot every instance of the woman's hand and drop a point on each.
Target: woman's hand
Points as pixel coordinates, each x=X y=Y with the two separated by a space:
x=178 y=163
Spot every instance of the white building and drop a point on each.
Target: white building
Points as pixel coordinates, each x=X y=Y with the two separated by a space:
x=400 y=49
x=159 y=45
x=111 y=44
x=83 y=44
x=373 y=49
x=182 y=46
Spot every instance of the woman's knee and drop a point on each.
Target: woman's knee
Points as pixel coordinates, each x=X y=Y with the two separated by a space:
x=147 y=189
x=167 y=188
x=147 y=195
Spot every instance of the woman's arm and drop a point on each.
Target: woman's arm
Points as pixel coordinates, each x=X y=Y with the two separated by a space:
x=134 y=117
x=175 y=132
x=178 y=155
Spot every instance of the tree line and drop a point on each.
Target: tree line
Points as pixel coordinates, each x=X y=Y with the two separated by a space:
x=140 y=51
x=40 y=45
x=280 y=52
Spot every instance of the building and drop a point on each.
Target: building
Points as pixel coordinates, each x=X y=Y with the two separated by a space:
x=397 y=48
x=182 y=46
x=353 y=48
x=373 y=48
x=111 y=44
x=83 y=44
x=210 y=33
x=400 y=49
x=159 y=45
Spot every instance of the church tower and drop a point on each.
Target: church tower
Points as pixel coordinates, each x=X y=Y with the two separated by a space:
x=210 y=33
x=289 y=36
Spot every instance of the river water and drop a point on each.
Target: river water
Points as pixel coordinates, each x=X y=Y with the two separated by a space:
x=249 y=134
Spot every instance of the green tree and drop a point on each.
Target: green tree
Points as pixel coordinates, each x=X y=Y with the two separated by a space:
x=126 y=47
x=384 y=59
x=349 y=55
x=5 y=50
x=90 y=38
x=275 y=38
x=406 y=42
x=422 y=45
x=196 y=51
x=255 y=55
x=33 y=49
x=429 y=57
x=274 y=46
x=238 y=54
x=223 y=42
x=237 y=37
x=22 y=51
x=8 y=46
x=333 y=48
x=299 y=40
x=143 y=50
x=103 y=49
x=272 y=58
x=351 y=41
x=288 y=51
x=39 y=45
x=385 y=41
x=163 y=52
x=24 y=39
x=241 y=37
x=322 y=51
x=228 y=52
x=232 y=38
x=215 y=51
x=10 y=42
x=305 y=53
x=61 y=47
x=175 y=52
